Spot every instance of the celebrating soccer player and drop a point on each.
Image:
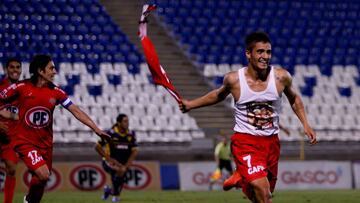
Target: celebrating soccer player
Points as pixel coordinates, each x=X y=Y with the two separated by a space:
x=37 y=98
x=9 y=157
x=257 y=90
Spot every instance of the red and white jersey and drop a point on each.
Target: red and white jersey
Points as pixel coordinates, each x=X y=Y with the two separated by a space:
x=36 y=106
x=257 y=113
x=11 y=105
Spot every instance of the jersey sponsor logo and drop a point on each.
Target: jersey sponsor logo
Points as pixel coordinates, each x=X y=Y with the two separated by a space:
x=260 y=114
x=38 y=117
x=87 y=177
x=35 y=158
x=2 y=178
x=252 y=169
x=122 y=146
x=53 y=182
x=255 y=169
x=52 y=101
x=137 y=177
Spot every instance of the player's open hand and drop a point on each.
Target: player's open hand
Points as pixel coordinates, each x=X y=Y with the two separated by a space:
x=184 y=106
x=103 y=135
x=310 y=133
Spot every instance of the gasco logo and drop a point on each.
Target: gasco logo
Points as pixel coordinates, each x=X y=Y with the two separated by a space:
x=310 y=177
x=38 y=117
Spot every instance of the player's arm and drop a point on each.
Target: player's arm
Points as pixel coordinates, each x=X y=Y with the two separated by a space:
x=85 y=119
x=283 y=128
x=99 y=149
x=213 y=97
x=134 y=152
x=106 y=157
x=9 y=115
x=216 y=154
x=296 y=104
x=9 y=93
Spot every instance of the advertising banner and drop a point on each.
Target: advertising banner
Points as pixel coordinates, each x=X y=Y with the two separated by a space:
x=356 y=169
x=88 y=176
x=314 y=175
x=196 y=176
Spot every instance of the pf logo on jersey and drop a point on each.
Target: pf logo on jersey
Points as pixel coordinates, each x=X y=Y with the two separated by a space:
x=38 y=117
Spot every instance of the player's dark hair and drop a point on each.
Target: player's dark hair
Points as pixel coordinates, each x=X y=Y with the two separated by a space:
x=39 y=62
x=254 y=37
x=9 y=60
x=120 y=117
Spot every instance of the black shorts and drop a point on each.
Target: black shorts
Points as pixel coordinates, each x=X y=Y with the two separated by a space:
x=226 y=164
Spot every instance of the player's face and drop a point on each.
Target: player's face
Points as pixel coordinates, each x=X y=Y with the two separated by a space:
x=124 y=124
x=13 y=71
x=260 y=55
x=49 y=72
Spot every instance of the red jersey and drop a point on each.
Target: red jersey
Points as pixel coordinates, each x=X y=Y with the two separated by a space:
x=11 y=105
x=36 y=106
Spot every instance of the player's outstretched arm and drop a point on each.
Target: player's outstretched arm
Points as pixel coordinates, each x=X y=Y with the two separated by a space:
x=296 y=104
x=85 y=119
x=213 y=97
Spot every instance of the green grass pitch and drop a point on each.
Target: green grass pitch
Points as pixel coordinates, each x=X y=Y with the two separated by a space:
x=329 y=196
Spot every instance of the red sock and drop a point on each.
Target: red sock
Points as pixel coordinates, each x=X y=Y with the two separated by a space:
x=36 y=190
x=9 y=188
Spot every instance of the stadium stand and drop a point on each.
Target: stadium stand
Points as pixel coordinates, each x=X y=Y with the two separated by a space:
x=103 y=71
x=315 y=42
x=98 y=67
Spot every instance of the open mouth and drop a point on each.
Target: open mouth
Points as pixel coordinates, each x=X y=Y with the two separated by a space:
x=15 y=75
x=264 y=63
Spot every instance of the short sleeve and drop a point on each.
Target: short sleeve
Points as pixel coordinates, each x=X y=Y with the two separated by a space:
x=63 y=98
x=217 y=149
x=134 y=141
x=10 y=91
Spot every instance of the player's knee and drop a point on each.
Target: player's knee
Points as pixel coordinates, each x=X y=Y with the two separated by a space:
x=262 y=192
x=11 y=171
x=43 y=175
x=44 y=178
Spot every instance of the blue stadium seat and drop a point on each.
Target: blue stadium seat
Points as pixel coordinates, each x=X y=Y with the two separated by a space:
x=69 y=89
x=73 y=79
x=345 y=91
x=133 y=68
x=95 y=90
x=218 y=80
x=114 y=79
x=93 y=68
x=310 y=81
x=307 y=91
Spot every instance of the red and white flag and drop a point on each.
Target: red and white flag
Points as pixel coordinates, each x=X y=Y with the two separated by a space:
x=157 y=71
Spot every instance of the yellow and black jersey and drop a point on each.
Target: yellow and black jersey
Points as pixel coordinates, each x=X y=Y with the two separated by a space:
x=121 y=146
